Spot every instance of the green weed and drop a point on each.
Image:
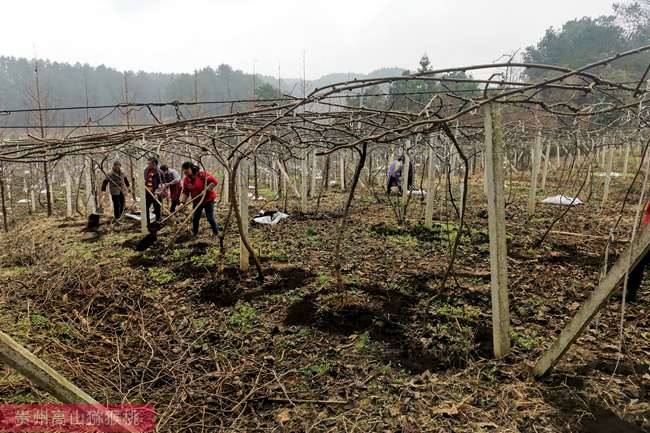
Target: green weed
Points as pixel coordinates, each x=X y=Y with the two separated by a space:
x=161 y=275
x=243 y=317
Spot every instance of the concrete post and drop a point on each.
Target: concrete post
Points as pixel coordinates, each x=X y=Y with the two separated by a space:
x=497 y=231
x=243 y=211
x=536 y=157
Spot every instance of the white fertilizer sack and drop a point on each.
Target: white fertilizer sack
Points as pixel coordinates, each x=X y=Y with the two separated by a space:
x=562 y=200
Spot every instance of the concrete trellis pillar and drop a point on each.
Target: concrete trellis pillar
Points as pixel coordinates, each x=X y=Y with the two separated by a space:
x=497 y=231
x=547 y=156
x=226 y=192
x=461 y=195
x=626 y=158
x=342 y=170
x=428 y=213
x=32 y=201
x=608 y=175
x=52 y=185
x=285 y=181
x=243 y=211
x=142 y=194
x=557 y=155
x=485 y=185
x=68 y=192
x=304 y=174
x=405 y=179
x=314 y=173
x=90 y=194
x=535 y=162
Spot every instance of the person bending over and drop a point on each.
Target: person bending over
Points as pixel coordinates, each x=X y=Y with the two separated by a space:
x=172 y=180
x=197 y=184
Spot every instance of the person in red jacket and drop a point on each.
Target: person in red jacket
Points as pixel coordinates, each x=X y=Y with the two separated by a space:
x=197 y=184
x=636 y=274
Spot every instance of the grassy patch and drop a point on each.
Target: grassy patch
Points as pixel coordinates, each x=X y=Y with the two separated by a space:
x=243 y=317
x=525 y=342
x=13 y=271
x=464 y=312
x=316 y=369
x=404 y=240
x=161 y=275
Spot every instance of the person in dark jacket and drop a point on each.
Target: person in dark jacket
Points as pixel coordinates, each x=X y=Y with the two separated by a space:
x=395 y=172
x=172 y=180
x=118 y=185
x=152 y=181
x=197 y=184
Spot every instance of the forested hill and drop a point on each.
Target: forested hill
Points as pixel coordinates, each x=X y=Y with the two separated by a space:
x=66 y=85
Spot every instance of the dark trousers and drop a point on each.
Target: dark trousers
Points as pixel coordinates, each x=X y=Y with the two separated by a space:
x=636 y=278
x=174 y=204
x=394 y=181
x=118 y=205
x=156 y=207
x=209 y=215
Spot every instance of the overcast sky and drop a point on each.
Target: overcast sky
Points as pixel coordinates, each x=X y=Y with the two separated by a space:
x=336 y=35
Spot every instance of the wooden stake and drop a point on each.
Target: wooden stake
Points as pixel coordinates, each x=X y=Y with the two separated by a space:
x=497 y=231
x=38 y=372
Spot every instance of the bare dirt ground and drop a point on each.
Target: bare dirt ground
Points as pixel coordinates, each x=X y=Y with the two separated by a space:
x=179 y=327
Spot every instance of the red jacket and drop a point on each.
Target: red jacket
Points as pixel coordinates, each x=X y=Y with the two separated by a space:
x=646 y=215
x=194 y=186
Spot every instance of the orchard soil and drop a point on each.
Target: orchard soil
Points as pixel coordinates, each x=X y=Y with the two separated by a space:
x=212 y=349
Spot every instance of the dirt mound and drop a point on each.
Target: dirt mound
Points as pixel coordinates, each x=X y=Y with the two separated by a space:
x=221 y=293
x=604 y=420
x=288 y=278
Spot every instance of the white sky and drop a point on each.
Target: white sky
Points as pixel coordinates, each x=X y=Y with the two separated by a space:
x=337 y=35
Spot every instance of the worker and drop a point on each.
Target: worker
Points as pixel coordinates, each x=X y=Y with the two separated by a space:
x=152 y=181
x=395 y=175
x=636 y=274
x=197 y=184
x=118 y=185
x=172 y=181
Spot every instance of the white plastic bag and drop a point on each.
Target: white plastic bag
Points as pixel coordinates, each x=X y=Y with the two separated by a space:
x=271 y=219
x=562 y=200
